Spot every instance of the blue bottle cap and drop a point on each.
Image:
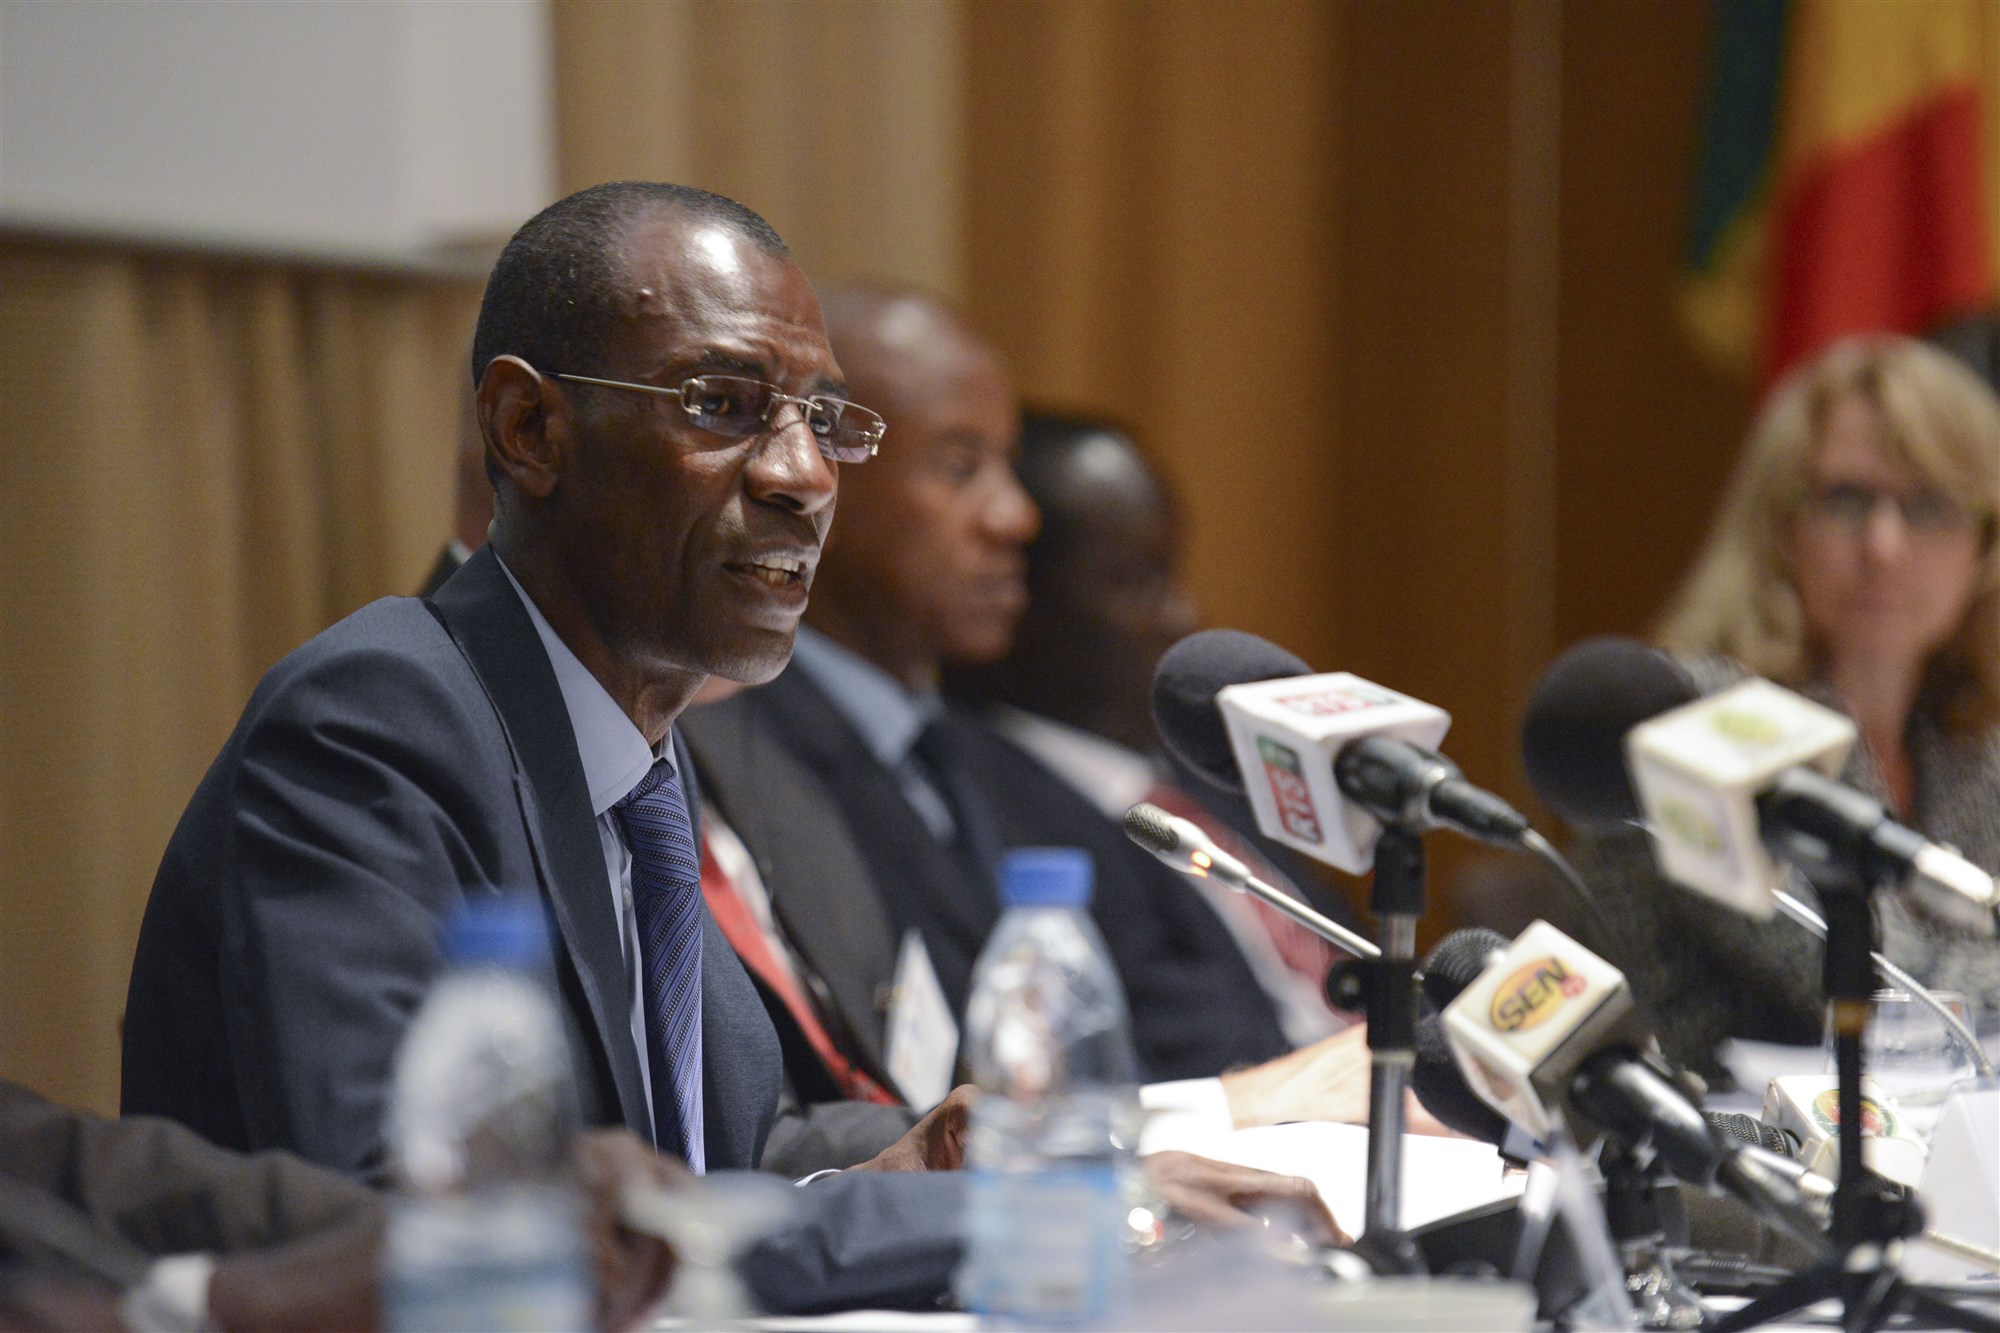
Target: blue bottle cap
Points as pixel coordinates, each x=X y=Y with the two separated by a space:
x=1046 y=877
x=501 y=930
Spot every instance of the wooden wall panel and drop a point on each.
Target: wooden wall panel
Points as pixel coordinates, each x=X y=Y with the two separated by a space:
x=841 y=123
x=1647 y=432
x=1150 y=235
x=1423 y=359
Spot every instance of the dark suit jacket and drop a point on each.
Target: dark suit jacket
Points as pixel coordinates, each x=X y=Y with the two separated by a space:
x=850 y=866
x=97 y=1199
x=415 y=753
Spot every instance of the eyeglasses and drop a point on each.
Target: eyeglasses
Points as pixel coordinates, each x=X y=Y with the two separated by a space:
x=1929 y=512
x=735 y=406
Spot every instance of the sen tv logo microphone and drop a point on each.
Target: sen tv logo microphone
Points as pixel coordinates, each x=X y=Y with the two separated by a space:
x=1289 y=791
x=1533 y=994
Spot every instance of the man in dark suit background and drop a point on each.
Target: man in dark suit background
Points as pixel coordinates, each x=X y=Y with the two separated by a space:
x=927 y=566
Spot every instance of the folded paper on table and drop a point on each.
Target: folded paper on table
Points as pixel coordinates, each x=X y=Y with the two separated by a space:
x=1441 y=1176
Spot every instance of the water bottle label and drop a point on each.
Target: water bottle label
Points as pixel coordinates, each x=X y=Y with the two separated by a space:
x=551 y=1295
x=504 y=1260
x=1046 y=1246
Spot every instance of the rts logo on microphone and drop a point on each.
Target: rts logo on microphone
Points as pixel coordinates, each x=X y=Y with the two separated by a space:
x=1289 y=791
x=1334 y=700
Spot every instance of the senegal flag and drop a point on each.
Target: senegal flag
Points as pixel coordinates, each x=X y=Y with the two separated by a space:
x=1847 y=175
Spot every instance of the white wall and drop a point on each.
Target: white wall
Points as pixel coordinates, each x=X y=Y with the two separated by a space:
x=321 y=125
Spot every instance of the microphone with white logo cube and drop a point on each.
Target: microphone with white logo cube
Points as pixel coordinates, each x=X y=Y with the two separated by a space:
x=1526 y=1023
x=1807 y=1107
x=1286 y=735
x=1699 y=769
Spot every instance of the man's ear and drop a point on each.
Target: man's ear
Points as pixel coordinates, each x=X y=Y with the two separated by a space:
x=526 y=424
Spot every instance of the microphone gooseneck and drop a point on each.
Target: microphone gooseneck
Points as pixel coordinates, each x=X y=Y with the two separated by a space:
x=1182 y=844
x=1815 y=924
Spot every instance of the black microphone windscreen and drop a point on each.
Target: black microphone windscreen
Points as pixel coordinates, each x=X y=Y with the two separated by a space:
x=1457 y=960
x=1573 y=737
x=1442 y=1089
x=1184 y=689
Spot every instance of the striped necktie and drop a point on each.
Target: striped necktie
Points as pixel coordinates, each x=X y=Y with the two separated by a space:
x=666 y=898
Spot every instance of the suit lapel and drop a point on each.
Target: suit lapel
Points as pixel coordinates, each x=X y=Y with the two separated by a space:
x=821 y=890
x=920 y=881
x=492 y=628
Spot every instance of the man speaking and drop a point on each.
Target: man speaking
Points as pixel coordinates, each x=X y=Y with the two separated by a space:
x=662 y=416
x=663 y=421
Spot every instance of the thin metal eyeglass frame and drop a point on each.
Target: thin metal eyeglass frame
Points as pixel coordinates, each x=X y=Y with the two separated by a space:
x=778 y=396
x=1818 y=503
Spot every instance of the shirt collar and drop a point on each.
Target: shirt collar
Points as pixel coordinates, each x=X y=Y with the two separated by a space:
x=887 y=715
x=614 y=752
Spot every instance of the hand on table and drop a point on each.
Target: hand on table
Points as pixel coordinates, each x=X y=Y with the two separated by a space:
x=632 y=1267
x=1327 y=1080
x=935 y=1143
x=1226 y=1195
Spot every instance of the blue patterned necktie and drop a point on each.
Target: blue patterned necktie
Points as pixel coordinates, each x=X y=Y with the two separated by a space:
x=666 y=898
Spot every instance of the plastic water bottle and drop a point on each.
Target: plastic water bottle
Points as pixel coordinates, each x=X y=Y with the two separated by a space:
x=1049 y=1045
x=486 y=1231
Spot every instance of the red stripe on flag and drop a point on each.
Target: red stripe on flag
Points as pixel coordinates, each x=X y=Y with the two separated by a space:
x=1887 y=234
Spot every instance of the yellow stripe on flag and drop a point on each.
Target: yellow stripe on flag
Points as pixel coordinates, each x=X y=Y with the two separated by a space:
x=1854 y=67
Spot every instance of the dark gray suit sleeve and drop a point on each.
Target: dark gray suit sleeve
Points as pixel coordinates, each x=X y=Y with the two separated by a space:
x=160 y=1189
x=825 y=1136
x=364 y=805
x=887 y=1240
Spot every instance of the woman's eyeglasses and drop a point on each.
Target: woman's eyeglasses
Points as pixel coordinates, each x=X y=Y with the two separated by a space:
x=1927 y=512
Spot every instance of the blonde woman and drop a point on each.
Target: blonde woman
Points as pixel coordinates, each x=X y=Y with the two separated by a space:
x=1854 y=560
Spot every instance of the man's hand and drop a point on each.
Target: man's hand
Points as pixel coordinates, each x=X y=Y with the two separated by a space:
x=1327 y=1080
x=328 y=1281
x=632 y=1267
x=935 y=1143
x=1223 y=1194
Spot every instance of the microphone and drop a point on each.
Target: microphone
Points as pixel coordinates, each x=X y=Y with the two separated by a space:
x=1750 y=1130
x=1805 y=1109
x=1726 y=781
x=1452 y=964
x=1324 y=759
x=1457 y=960
x=1443 y=1091
x=1190 y=675
x=1548 y=1036
x=1524 y=1025
x=1183 y=844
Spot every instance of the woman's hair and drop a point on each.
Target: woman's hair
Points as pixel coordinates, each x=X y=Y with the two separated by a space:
x=1941 y=421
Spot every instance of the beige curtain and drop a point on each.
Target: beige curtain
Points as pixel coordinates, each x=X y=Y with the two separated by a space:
x=841 y=121
x=205 y=462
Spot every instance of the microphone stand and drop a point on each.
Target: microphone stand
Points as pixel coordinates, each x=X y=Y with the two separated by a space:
x=1869 y=1219
x=1397 y=902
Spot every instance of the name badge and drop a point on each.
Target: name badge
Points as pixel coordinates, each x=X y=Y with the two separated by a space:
x=923 y=1036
